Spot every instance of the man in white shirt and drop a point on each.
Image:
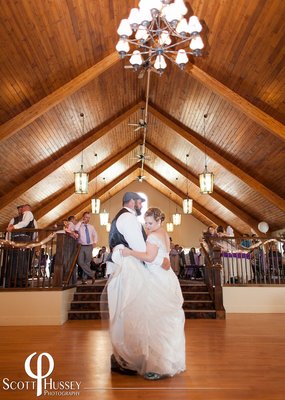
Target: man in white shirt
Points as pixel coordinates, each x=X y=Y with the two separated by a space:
x=87 y=239
x=20 y=259
x=27 y=221
x=125 y=228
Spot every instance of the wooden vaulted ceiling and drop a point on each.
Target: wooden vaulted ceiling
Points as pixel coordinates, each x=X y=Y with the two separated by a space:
x=58 y=59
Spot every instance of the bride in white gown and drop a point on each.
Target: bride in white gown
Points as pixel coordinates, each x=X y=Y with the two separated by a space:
x=145 y=307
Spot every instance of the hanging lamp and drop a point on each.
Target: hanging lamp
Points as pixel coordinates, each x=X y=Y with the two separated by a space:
x=95 y=203
x=187 y=203
x=81 y=177
x=206 y=178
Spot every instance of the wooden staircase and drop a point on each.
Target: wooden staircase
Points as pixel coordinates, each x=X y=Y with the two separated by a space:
x=197 y=300
x=88 y=299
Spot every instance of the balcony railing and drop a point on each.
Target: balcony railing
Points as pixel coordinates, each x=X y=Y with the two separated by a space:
x=38 y=259
x=247 y=261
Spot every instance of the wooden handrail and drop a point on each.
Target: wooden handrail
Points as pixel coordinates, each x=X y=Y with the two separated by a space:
x=213 y=278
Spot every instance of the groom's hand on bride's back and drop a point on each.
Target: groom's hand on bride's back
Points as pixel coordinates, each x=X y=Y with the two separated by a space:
x=165 y=263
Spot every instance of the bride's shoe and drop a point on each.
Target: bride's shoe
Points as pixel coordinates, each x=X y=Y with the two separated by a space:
x=153 y=376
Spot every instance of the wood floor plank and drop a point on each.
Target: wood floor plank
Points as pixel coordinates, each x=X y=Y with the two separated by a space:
x=242 y=357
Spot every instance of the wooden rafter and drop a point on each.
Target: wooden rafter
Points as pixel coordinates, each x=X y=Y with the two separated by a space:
x=23 y=119
x=251 y=111
x=212 y=217
x=68 y=153
x=191 y=137
x=69 y=191
x=217 y=194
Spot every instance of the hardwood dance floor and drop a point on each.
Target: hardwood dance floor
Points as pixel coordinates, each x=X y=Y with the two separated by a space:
x=242 y=357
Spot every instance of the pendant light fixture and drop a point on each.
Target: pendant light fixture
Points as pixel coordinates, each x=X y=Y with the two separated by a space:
x=95 y=203
x=206 y=178
x=104 y=216
x=187 y=203
x=169 y=225
x=81 y=177
x=176 y=218
x=108 y=225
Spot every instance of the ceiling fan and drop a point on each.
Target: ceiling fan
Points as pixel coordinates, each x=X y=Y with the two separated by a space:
x=147 y=65
x=141 y=157
x=142 y=124
x=141 y=178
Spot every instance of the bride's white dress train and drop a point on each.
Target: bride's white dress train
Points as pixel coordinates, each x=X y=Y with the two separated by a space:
x=146 y=315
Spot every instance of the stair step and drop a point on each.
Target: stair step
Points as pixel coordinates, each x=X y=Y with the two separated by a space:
x=198 y=304
x=88 y=299
x=197 y=314
x=86 y=314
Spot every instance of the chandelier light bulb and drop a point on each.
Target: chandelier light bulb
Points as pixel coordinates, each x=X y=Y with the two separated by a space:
x=194 y=25
x=136 y=59
x=182 y=27
x=142 y=33
x=124 y=29
x=180 y=5
x=134 y=18
x=196 y=43
x=181 y=58
x=154 y=6
x=160 y=63
x=122 y=47
x=164 y=38
x=145 y=4
x=145 y=17
x=172 y=15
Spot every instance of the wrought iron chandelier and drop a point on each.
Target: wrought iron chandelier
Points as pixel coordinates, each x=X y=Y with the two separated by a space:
x=158 y=30
x=206 y=178
x=81 y=177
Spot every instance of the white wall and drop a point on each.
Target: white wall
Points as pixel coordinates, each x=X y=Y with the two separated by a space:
x=254 y=299
x=186 y=235
x=35 y=307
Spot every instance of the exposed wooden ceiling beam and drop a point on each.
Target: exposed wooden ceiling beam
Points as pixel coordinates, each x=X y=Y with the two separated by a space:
x=212 y=217
x=191 y=136
x=67 y=154
x=58 y=198
x=217 y=194
x=86 y=204
x=23 y=119
x=251 y=111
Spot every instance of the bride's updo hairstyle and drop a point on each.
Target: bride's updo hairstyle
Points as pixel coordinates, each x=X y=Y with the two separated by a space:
x=156 y=213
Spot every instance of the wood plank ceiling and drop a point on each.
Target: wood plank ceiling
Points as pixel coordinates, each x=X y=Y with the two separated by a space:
x=58 y=59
